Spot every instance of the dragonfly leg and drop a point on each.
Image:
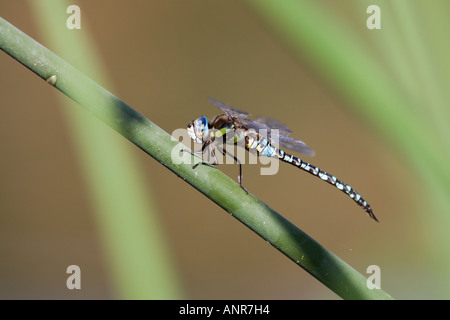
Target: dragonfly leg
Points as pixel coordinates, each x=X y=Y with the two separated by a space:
x=202 y=151
x=211 y=150
x=205 y=144
x=225 y=152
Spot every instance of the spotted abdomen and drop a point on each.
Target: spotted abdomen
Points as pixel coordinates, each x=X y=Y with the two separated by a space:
x=326 y=177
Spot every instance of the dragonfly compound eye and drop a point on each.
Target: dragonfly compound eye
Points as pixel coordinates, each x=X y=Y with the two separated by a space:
x=198 y=129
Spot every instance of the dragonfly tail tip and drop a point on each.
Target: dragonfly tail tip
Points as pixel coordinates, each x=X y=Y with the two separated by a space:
x=372 y=215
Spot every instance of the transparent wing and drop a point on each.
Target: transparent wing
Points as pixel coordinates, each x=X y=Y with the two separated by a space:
x=230 y=111
x=269 y=123
x=278 y=134
x=293 y=144
x=276 y=131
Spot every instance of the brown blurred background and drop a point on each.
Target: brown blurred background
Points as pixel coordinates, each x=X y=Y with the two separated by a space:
x=164 y=58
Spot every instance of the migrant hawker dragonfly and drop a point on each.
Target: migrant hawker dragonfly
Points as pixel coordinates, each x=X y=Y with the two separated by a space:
x=260 y=135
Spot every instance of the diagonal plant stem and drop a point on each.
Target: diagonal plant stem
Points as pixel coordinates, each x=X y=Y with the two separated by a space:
x=271 y=226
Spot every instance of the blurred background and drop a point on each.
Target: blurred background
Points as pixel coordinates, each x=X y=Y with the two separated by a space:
x=373 y=104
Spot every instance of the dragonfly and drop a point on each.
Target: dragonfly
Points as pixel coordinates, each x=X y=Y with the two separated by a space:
x=264 y=136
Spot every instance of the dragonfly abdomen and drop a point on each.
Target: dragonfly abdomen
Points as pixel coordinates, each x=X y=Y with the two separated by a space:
x=326 y=177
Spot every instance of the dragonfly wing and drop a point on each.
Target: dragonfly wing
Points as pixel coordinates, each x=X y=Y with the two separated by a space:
x=275 y=131
x=278 y=134
x=293 y=144
x=230 y=111
x=262 y=128
x=274 y=124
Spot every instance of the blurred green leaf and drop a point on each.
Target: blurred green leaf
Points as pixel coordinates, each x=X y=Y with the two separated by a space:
x=137 y=255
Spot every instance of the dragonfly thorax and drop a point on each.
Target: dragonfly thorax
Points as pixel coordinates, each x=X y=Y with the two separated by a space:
x=198 y=130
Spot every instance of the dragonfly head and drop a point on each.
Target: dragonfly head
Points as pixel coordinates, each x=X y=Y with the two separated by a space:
x=198 y=129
